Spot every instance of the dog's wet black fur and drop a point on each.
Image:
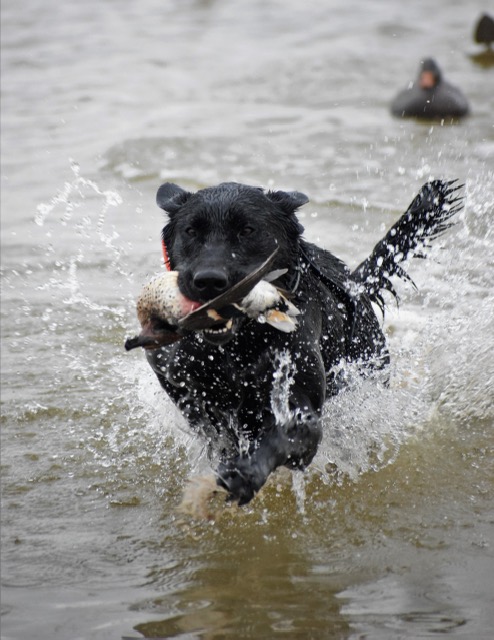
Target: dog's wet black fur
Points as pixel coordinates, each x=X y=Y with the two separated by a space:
x=222 y=379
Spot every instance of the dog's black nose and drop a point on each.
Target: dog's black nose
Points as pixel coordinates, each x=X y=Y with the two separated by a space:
x=210 y=283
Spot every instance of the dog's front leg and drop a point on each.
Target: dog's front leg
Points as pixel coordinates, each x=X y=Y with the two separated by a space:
x=293 y=444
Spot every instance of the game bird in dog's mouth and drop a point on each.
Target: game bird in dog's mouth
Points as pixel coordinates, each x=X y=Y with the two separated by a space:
x=166 y=314
x=244 y=287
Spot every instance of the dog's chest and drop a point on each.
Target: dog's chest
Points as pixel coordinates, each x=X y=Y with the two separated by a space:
x=230 y=370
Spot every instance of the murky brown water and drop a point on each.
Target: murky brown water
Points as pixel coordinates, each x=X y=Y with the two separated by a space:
x=101 y=102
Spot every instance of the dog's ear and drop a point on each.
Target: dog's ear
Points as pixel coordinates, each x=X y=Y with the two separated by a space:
x=171 y=197
x=288 y=201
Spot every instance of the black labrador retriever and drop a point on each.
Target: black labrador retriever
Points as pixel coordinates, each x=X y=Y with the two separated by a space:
x=225 y=378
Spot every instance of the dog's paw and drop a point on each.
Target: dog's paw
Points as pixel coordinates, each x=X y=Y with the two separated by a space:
x=239 y=479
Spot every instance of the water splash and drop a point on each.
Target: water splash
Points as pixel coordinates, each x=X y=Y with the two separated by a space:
x=283 y=379
x=365 y=425
x=72 y=194
x=75 y=202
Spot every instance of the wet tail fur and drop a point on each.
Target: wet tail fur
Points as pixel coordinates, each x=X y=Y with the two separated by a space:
x=427 y=217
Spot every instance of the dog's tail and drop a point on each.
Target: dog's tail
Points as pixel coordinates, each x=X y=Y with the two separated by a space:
x=428 y=216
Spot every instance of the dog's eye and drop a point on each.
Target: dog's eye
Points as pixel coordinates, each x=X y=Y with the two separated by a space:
x=191 y=232
x=246 y=231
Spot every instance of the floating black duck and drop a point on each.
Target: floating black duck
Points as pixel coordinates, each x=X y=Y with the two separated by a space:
x=430 y=97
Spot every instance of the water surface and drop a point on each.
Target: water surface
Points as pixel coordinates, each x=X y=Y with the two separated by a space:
x=390 y=534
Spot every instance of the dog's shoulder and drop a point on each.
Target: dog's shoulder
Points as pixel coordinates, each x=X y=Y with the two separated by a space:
x=325 y=267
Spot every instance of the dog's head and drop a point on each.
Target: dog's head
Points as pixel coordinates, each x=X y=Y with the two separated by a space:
x=217 y=236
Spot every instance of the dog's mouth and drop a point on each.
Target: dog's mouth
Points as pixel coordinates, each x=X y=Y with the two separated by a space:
x=161 y=309
x=220 y=334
